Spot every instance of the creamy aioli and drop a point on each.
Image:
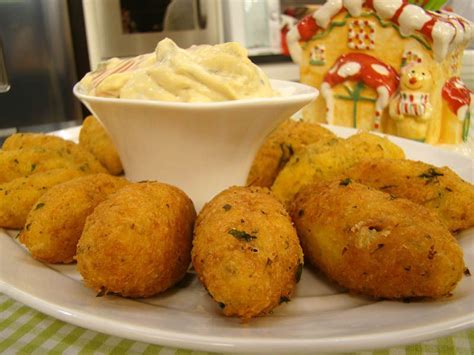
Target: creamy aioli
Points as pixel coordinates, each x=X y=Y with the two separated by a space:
x=197 y=74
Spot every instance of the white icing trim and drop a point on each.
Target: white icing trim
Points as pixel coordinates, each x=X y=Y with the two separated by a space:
x=387 y=8
x=447 y=34
x=382 y=99
x=412 y=18
x=443 y=33
x=326 y=92
x=292 y=40
x=286 y=20
x=463 y=33
x=324 y=15
x=468 y=31
x=354 y=7
x=348 y=69
x=380 y=69
x=382 y=102
x=459 y=84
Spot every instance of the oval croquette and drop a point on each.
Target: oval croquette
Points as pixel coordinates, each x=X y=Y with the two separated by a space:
x=64 y=148
x=55 y=222
x=287 y=139
x=437 y=188
x=316 y=163
x=94 y=138
x=374 y=244
x=137 y=243
x=19 y=195
x=246 y=251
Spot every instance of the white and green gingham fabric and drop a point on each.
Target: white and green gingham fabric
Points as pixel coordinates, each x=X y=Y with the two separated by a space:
x=26 y=331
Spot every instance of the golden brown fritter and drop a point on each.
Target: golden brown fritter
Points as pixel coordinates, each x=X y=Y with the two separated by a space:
x=18 y=196
x=439 y=189
x=316 y=163
x=55 y=222
x=288 y=138
x=246 y=251
x=95 y=139
x=64 y=148
x=374 y=244
x=138 y=242
x=25 y=162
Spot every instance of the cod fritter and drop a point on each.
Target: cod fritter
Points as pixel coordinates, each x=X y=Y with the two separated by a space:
x=374 y=244
x=439 y=189
x=288 y=138
x=316 y=163
x=246 y=251
x=63 y=148
x=56 y=221
x=95 y=139
x=25 y=162
x=138 y=242
x=18 y=196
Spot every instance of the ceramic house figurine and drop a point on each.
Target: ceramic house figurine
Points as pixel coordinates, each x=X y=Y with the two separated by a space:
x=386 y=65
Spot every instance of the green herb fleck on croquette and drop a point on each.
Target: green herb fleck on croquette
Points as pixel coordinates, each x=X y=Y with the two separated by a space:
x=241 y=235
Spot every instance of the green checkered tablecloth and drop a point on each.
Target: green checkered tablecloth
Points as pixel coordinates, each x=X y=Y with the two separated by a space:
x=26 y=331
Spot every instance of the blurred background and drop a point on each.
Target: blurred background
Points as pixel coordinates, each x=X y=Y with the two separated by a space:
x=46 y=46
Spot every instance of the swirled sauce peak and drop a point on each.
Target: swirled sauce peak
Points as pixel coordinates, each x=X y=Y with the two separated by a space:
x=202 y=73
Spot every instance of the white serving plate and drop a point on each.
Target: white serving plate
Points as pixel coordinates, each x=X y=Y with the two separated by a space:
x=320 y=317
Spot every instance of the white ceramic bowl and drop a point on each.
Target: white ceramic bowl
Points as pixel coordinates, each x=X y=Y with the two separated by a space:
x=202 y=148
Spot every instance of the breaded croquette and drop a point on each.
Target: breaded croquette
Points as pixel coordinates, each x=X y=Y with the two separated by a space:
x=94 y=138
x=374 y=244
x=439 y=189
x=18 y=196
x=246 y=251
x=25 y=162
x=286 y=139
x=137 y=243
x=64 y=148
x=316 y=163
x=56 y=221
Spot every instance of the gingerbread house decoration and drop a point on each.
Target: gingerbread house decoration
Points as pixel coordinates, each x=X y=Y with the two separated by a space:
x=385 y=65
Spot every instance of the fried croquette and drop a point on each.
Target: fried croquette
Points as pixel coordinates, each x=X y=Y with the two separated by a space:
x=56 y=221
x=65 y=148
x=18 y=196
x=316 y=163
x=95 y=139
x=25 y=162
x=374 y=244
x=138 y=242
x=439 y=189
x=246 y=251
x=288 y=138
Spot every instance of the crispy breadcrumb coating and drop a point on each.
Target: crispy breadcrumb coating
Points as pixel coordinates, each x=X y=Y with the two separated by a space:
x=374 y=244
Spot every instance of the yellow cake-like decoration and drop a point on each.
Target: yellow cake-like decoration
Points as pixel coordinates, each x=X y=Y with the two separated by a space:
x=385 y=65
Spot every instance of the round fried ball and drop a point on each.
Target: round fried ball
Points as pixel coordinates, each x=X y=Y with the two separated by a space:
x=246 y=251
x=55 y=222
x=137 y=243
x=375 y=244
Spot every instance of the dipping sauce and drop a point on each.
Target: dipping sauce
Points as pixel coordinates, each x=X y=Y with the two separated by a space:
x=202 y=73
